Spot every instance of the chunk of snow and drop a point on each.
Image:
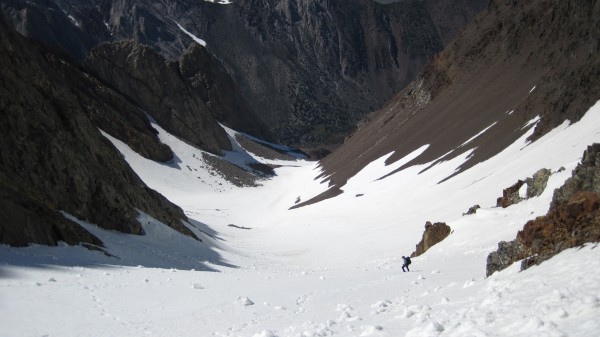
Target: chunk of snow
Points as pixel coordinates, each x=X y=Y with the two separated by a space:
x=265 y=333
x=477 y=135
x=245 y=301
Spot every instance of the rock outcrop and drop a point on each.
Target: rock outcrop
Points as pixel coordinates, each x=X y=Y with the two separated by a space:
x=472 y=210
x=433 y=234
x=510 y=195
x=507 y=253
x=572 y=220
x=534 y=187
x=54 y=159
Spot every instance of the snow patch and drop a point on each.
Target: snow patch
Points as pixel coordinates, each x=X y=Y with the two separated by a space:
x=194 y=37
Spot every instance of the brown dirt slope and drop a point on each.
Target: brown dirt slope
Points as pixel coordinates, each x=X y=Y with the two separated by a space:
x=482 y=76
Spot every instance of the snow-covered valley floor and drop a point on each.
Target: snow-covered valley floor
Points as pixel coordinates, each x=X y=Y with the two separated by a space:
x=329 y=269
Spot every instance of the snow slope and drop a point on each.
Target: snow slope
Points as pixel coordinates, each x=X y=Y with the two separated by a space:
x=329 y=269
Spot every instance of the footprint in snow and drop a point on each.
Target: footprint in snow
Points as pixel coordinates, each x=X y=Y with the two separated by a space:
x=381 y=307
x=368 y=330
x=469 y=283
x=265 y=333
x=347 y=313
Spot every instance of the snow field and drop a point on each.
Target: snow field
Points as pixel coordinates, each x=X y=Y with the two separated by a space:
x=329 y=269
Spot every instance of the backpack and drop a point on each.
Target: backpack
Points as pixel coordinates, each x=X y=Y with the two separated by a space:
x=408 y=262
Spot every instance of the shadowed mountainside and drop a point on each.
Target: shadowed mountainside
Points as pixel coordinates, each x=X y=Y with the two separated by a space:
x=53 y=157
x=309 y=69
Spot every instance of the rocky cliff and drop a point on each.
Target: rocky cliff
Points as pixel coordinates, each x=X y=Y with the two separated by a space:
x=158 y=88
x=54 y=159
x=309 y=69
x=572 y=220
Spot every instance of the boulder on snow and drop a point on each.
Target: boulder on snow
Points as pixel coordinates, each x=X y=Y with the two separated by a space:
x=510 y=195
x=472 y=210
x=433 y=234
x=537 y=184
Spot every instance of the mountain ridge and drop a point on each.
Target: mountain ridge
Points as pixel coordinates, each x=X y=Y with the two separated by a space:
x=310 y=70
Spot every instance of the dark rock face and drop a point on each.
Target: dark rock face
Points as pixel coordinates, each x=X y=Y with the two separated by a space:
x=537 y=184
x=507 y=253
x=586 y=176
x=157 y=87
x=111 y=112
x=74 y=29
x=53 y=158
x=223 y=99
x=433 y=234
x=314 y=68
x=310 y=69
x=572 y=220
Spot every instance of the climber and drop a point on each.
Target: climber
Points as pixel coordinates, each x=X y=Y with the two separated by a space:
x=406 y=263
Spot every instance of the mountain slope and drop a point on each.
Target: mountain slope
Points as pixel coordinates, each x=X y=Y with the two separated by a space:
x=514 y=62
x=309 y=69
x=331 y=268
x=328 y=269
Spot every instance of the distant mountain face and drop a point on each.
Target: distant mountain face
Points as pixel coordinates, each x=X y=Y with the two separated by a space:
x=516 y=61
x=309 y=69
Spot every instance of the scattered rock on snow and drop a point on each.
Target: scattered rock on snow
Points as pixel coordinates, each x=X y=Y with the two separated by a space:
x=472 y=210
x=572 y=220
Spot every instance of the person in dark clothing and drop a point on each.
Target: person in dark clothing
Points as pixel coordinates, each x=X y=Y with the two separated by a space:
x=406 y=263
